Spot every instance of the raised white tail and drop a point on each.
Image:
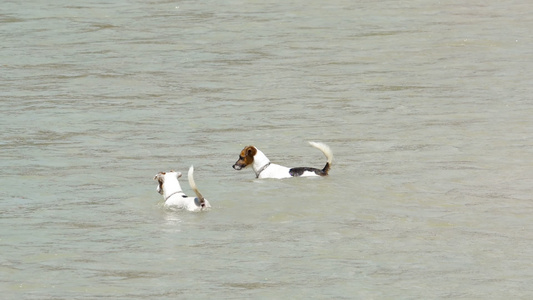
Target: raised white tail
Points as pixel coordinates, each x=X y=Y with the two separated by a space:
x=193 y=185
x=325 y=149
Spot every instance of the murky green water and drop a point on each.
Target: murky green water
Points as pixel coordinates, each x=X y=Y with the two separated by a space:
x=426 y=106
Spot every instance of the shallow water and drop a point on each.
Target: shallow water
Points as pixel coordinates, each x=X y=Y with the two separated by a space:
x=425 y=105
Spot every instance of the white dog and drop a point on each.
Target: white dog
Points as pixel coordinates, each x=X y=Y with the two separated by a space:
x=170 y=188
x=250 y=155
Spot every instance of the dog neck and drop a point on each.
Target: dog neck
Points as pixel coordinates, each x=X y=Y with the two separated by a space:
x=257 y=173
x=171 y=188
x=261 y=162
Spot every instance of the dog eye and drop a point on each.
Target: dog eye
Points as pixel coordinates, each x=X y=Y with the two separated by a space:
x=241 y=157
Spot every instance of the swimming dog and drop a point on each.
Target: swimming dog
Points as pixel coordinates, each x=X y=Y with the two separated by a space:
x=262 y=167
x=169 y=187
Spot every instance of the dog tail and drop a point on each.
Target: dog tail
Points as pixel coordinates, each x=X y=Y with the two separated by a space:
x=327 y=152
x=194 y=188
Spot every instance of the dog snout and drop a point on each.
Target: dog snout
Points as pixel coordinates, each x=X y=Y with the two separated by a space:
x=239 y=165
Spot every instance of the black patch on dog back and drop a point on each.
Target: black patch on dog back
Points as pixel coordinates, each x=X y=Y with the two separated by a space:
x=295 y=172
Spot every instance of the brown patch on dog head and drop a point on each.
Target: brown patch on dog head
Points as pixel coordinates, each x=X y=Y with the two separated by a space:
x=248 y=153
x=246 y=158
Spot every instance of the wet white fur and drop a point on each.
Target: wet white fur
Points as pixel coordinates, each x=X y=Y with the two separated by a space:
x=174 y=195
x=278 y=172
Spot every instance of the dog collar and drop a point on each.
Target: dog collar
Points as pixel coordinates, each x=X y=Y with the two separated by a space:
x=261 y=170
x=173 y=194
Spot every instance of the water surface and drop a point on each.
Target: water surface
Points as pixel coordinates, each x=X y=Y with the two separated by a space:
x=426 y=106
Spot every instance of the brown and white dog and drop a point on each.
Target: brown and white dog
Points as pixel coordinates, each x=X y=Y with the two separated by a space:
x=169 y=187
x=251 y=156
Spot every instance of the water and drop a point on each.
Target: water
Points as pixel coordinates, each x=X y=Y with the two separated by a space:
x=426 y=106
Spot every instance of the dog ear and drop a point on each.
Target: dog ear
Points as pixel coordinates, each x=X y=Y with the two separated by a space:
x=159 y=177
x=251 y=151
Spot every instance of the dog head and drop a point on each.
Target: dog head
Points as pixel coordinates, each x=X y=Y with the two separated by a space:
x=246 y=158
x=161 y=177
